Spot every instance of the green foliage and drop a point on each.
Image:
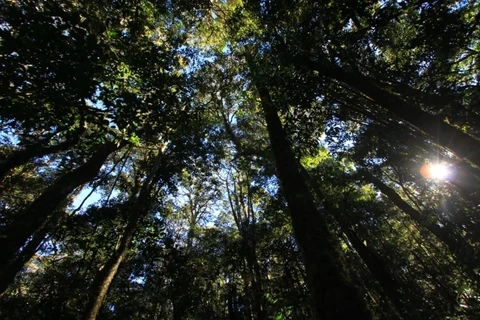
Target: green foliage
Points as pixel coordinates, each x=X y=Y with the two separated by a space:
x=170 y=81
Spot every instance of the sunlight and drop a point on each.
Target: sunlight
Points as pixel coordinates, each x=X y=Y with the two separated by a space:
x=439 y=171
x=435 y=171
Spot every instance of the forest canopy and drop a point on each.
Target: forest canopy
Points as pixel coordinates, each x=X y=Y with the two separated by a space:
x=240 y=160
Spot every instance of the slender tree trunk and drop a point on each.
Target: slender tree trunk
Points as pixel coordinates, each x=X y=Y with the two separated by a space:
x=445 y=135
x=254 y=269
x=21 y=157
x=105 y=276
x=245 y=223
x=258 y=294
x=41 y=210
x=253 y=284
x=231 y=305
x=333 y=296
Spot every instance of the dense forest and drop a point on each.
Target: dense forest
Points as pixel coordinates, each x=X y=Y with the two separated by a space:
x=240 y=160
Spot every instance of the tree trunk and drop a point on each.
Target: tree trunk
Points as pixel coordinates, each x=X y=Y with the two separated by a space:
x=443 y=134
x=250 y=245
x=139 y=209
x=21 y=157
x=40 y=211
x=333 y=296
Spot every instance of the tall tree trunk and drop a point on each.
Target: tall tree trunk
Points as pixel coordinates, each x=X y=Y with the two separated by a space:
x=250 y=243
x=139 y=209
x=333 y=296
x=245 y=223
x=457 y=246
x=41 y=210
x=443 y=134
x=21 y=157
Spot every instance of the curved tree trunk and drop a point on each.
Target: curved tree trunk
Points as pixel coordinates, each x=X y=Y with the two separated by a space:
x=39 y=213
x=139 y=209
x=333 y=296
x=443 y=134
x=105 y=276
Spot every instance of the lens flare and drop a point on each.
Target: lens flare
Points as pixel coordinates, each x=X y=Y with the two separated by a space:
x=435 y=171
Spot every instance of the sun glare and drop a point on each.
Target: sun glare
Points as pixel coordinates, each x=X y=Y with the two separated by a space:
x=435 y=171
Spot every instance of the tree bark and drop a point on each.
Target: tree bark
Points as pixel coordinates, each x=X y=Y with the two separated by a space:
x=333 y=296
x=443 y=134
x=41 y=210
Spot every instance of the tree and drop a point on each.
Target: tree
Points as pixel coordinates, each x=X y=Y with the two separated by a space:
x=138 y=206
x=239 y=159
x=323 y=260
x=43 y=209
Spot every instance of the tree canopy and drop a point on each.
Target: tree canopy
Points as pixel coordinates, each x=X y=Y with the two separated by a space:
x=239 y=159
